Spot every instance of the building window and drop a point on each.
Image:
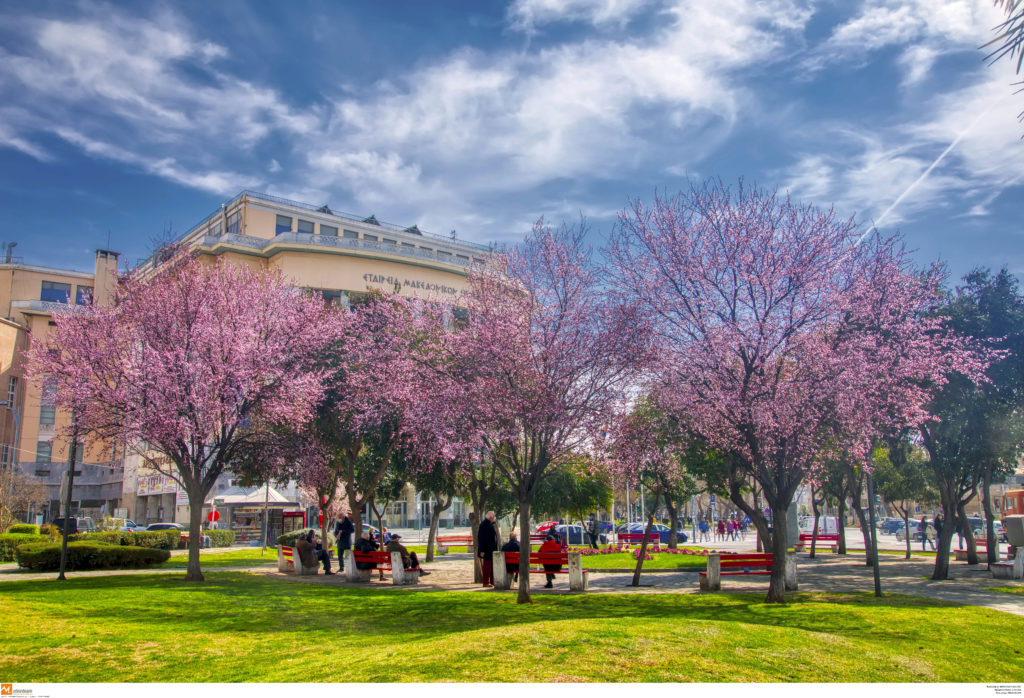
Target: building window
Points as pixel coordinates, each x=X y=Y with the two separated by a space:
x=54 y=292
x=42 y=473
x=48 y=401
x=214 y=230
x=44 y=451
x=328 y=230
x=83 y=295
x=284 y=225
x=5 y=454
x=386 y=241
x=370 y=238
x=331 y=297
x=12 y=392
x=305 y=227
x=235 y=223
x=350 y=235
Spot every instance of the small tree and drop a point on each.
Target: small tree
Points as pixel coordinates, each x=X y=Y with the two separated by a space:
x=901 y=477
x=196 y=362
x=19 y=493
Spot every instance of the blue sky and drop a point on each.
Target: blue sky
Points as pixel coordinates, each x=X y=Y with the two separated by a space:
x=121 y=121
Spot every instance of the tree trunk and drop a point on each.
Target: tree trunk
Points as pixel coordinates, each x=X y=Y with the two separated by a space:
x=906 y=527
x=673 y=520
x=524 y=552
x=965 y=526
x=817 y=517
x=949 y=503
x=841 y=520
x=992 y=552
x=777 y=585
x=435 y=517
x=865 y=530
x=195 y=533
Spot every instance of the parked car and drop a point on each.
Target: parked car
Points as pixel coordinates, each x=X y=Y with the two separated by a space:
x=545 y=526
x=891 y=527
x=79 y=524
x=204 y=543
x=130 y=525
x=577 y=535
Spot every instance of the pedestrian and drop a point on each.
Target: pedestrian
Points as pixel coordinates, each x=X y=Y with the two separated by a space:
x=959 y=530
x=593 y=528
x=551 y=545
x=703 y=528
x=487 y=537
x=512 y=546
x=720 y=531
x=343 y=530
x=922 y=528
x=938 y=526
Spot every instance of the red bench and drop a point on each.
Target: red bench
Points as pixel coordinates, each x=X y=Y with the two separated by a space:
x=827 y=538
x=638 y=538
x=562 y=558
x=981 y=544
x=453 y=540
x=729 y=564
x=379 y=558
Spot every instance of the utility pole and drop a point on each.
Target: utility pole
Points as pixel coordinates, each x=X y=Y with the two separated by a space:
x=72 y=457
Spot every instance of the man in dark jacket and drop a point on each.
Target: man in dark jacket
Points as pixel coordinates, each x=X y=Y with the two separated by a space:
x=409 y=560
x=365 y=545
x=512 y=546
x=343 y=529
x=311 y=550
x=487 y=536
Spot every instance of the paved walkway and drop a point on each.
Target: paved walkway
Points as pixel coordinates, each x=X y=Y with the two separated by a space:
x=827 y=573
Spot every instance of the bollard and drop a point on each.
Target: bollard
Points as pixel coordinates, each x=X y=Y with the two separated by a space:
x=712 y=580
x=283 y=564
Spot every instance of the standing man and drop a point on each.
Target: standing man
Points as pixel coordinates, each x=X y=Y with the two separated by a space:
x=593 y=528
x=487 y=537
x=343 y=530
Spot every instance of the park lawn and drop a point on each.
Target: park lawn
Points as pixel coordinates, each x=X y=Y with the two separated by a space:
x=239 y=627
x=658 y=561
x=1018 y=590
x=238 y=557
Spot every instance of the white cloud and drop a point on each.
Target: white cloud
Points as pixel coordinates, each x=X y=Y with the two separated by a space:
x=526 y=15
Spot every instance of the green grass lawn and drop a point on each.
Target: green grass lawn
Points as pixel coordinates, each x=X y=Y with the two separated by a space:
x=232 y=558
x=659 y=561
x=1019 y=591
x=238 y=627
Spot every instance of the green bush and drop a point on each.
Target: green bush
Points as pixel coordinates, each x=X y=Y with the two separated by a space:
x=162 y=540
x=31 y=529
x=49 y=530
x=220 y=539
x=87 y=556
x=292 y=536
x=10 y=541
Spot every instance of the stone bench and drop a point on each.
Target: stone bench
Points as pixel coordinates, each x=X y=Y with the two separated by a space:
x=286 y=556
x=507 y=564
x=383 y=561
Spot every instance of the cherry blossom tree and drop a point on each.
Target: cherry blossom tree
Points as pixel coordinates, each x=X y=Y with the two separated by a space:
x=544 y=357
x=197 y=362
x=780 y=330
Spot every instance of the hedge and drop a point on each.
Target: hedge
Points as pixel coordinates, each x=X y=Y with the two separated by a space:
x=10 y=541
x=31 y=529
x=292 y=536
x=88 y=556
x=163 y=540
x=220 y=539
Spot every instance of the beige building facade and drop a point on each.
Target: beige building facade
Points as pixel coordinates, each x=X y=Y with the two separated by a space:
x=338 y=255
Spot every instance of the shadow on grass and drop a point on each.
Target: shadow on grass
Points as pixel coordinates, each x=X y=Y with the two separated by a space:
x=242 y=603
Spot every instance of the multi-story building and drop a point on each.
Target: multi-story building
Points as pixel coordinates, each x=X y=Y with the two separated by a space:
x=338 y=255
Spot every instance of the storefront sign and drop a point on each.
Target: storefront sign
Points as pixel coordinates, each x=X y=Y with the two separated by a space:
x=412 y=284
x=157 y=484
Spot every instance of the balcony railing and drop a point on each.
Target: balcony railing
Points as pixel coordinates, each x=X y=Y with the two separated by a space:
x=340 y=243
x=49 y=307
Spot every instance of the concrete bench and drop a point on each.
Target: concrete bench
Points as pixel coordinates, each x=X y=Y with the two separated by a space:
x=286 y=557
x=507 y=564
x=982 y=546
x=1010 y=569
x=729 y=564
x=445 y=542
x=382 y=561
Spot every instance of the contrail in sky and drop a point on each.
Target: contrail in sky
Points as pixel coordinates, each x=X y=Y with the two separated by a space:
x=927 y=171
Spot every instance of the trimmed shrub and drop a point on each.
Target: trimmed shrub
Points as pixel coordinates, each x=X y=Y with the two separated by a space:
x=30 y=529
x=220 y=539
x=88 y=556
x=10 y=541
x=49 y=530
x=162 y=540
x=292 y=536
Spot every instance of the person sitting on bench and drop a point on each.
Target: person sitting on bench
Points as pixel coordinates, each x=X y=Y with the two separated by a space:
x=551 y=545
x=512 y=546
x=365 y=545
x=409 y=560
x=311 y=550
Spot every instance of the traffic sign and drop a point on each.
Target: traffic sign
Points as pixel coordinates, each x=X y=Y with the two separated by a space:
x=712 y=499
x=213 y=516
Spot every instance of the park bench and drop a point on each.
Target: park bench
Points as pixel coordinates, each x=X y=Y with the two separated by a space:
x=729 y=564
x=981 y=544
x=826 y=538
x=383 y=561
x=507 y=564
x=286 y=557
x=445 y=542
x=538 y=538
x=638 y=538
